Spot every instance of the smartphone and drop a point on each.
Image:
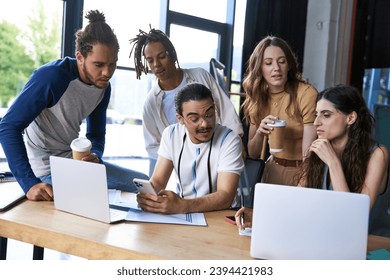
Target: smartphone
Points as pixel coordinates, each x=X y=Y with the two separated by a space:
x=230 y=220
x=144 y=186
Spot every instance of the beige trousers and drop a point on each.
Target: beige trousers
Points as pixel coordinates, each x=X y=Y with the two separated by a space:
x=278 y=174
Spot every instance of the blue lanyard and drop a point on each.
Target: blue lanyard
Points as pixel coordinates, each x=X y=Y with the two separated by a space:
x=208 y=165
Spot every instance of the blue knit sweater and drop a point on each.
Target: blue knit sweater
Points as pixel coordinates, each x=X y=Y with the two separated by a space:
x=50 y=109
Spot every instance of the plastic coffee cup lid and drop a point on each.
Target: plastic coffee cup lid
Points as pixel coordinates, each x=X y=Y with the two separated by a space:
x=278 y=123
x=81 y=144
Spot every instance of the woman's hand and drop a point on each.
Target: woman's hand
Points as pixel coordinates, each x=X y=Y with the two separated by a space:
x=324 y=150
x=244 y=218
x=263 y=127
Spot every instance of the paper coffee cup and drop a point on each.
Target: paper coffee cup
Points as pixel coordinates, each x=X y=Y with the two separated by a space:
x=276 y=137
x=81 y=147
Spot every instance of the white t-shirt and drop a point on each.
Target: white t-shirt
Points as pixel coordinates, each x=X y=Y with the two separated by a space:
x=168 y=105
x=225 y=156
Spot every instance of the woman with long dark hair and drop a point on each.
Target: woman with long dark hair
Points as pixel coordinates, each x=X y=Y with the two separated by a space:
x=345 y=157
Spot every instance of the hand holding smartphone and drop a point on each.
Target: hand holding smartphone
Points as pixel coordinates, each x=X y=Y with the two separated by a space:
x=144 y=186
x=230 y=220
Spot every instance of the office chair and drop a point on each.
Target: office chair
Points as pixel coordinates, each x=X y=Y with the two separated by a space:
x=251 y=175
x=217 y=70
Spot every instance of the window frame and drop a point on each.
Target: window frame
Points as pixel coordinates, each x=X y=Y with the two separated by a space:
x=224 y=31
x=72 y=23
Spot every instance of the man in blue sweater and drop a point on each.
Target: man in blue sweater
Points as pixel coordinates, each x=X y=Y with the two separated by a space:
x=52 y=106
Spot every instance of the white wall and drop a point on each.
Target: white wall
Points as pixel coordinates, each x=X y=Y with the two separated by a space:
x=327 y=43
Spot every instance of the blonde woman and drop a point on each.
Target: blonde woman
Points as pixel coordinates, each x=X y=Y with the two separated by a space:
x=275 y=90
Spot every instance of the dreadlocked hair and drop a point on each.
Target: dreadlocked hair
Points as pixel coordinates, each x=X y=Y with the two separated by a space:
x=141 y=41
x=96 y=32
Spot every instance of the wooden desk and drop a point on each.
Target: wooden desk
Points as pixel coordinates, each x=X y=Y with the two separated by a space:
x=39 y=223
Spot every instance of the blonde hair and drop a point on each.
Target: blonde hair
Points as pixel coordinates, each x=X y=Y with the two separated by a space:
x=256 y=103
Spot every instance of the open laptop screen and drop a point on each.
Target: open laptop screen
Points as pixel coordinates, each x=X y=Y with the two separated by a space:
x=302 y=223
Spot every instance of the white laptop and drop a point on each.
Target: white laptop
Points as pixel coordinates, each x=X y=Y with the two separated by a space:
x=80 y=188
x=302 y=223
x=10 y=194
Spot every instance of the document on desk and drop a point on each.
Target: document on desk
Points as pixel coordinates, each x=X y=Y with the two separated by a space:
x=135 y=214
x=245 y=232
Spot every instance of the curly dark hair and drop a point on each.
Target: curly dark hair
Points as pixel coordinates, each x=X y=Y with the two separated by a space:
x=141 y=41
x=96 y=32
x=357 y=152
x=256 y=103
x=194 y=92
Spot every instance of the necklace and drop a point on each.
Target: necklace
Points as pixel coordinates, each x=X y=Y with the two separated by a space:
x=277 y=102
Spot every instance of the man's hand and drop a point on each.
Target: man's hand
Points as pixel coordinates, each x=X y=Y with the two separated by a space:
x=41 y=191
x=91 y=158
x=166 y=202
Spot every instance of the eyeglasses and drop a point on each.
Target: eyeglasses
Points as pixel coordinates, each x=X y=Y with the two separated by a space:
x=196 y=119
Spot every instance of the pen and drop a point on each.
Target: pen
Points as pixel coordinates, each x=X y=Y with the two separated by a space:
x=242 y=215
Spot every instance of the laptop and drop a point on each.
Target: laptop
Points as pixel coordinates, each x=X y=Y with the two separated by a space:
x=10 y=194
x=80 y=188
x=303 y=223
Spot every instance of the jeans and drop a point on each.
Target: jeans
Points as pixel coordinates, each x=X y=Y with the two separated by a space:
x=152 y=165
x=118 y=177
x=121 y=178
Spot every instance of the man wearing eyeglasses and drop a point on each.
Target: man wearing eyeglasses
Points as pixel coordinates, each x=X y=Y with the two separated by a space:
x=206 y=157
x=154 y=50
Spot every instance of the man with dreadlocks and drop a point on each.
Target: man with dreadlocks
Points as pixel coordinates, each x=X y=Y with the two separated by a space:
x=156 y=52
x=51 y=106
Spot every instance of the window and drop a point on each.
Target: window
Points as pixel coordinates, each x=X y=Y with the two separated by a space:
x=26 y=20
x=127 y=18
x=182 y=37
x=216 y=9
x=213 y=37
x=211 y=30
x=238 y=40
x=128 y=93
x=211 y=34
